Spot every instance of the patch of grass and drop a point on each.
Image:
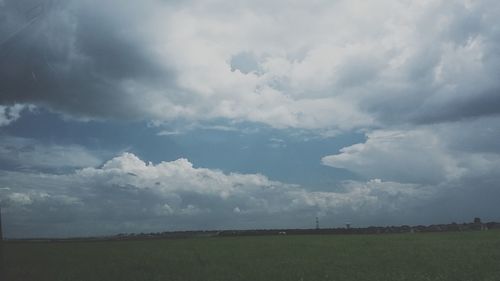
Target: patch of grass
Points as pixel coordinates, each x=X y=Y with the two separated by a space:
x=431 y=256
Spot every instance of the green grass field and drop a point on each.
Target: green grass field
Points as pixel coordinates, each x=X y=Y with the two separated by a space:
x=436 y=256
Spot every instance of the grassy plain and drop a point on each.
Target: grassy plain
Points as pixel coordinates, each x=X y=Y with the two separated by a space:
x=431 y=256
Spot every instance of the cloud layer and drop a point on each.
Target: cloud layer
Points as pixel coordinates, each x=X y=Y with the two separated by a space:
x=129 y=195
x=341 y=64
x=24 y=154
x=9 y=114
x=430 y=154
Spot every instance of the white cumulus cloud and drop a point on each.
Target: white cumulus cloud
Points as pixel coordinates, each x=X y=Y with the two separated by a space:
x=433 y=154
x=128 y=194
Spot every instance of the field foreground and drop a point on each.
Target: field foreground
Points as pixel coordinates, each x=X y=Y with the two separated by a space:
x=431 y=256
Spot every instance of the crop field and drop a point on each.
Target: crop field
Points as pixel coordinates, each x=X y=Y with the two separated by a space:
x=431 y=256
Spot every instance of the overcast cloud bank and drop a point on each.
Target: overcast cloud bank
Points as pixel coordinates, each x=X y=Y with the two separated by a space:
x=341 y=64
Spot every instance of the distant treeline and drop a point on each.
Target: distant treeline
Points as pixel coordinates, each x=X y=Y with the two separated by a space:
x=477 y=225
x=369 y=230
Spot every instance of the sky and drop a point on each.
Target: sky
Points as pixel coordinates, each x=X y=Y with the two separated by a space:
x=159 y=115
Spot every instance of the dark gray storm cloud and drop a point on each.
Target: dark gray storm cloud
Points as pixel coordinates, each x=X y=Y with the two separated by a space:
x=75 y=57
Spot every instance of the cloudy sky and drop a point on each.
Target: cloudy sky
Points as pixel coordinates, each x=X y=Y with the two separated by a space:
x=127 y=116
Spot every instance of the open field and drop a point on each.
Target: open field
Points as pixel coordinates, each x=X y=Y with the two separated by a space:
x=431 y=256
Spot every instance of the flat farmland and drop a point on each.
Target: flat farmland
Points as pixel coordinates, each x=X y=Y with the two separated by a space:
x=450 y=256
